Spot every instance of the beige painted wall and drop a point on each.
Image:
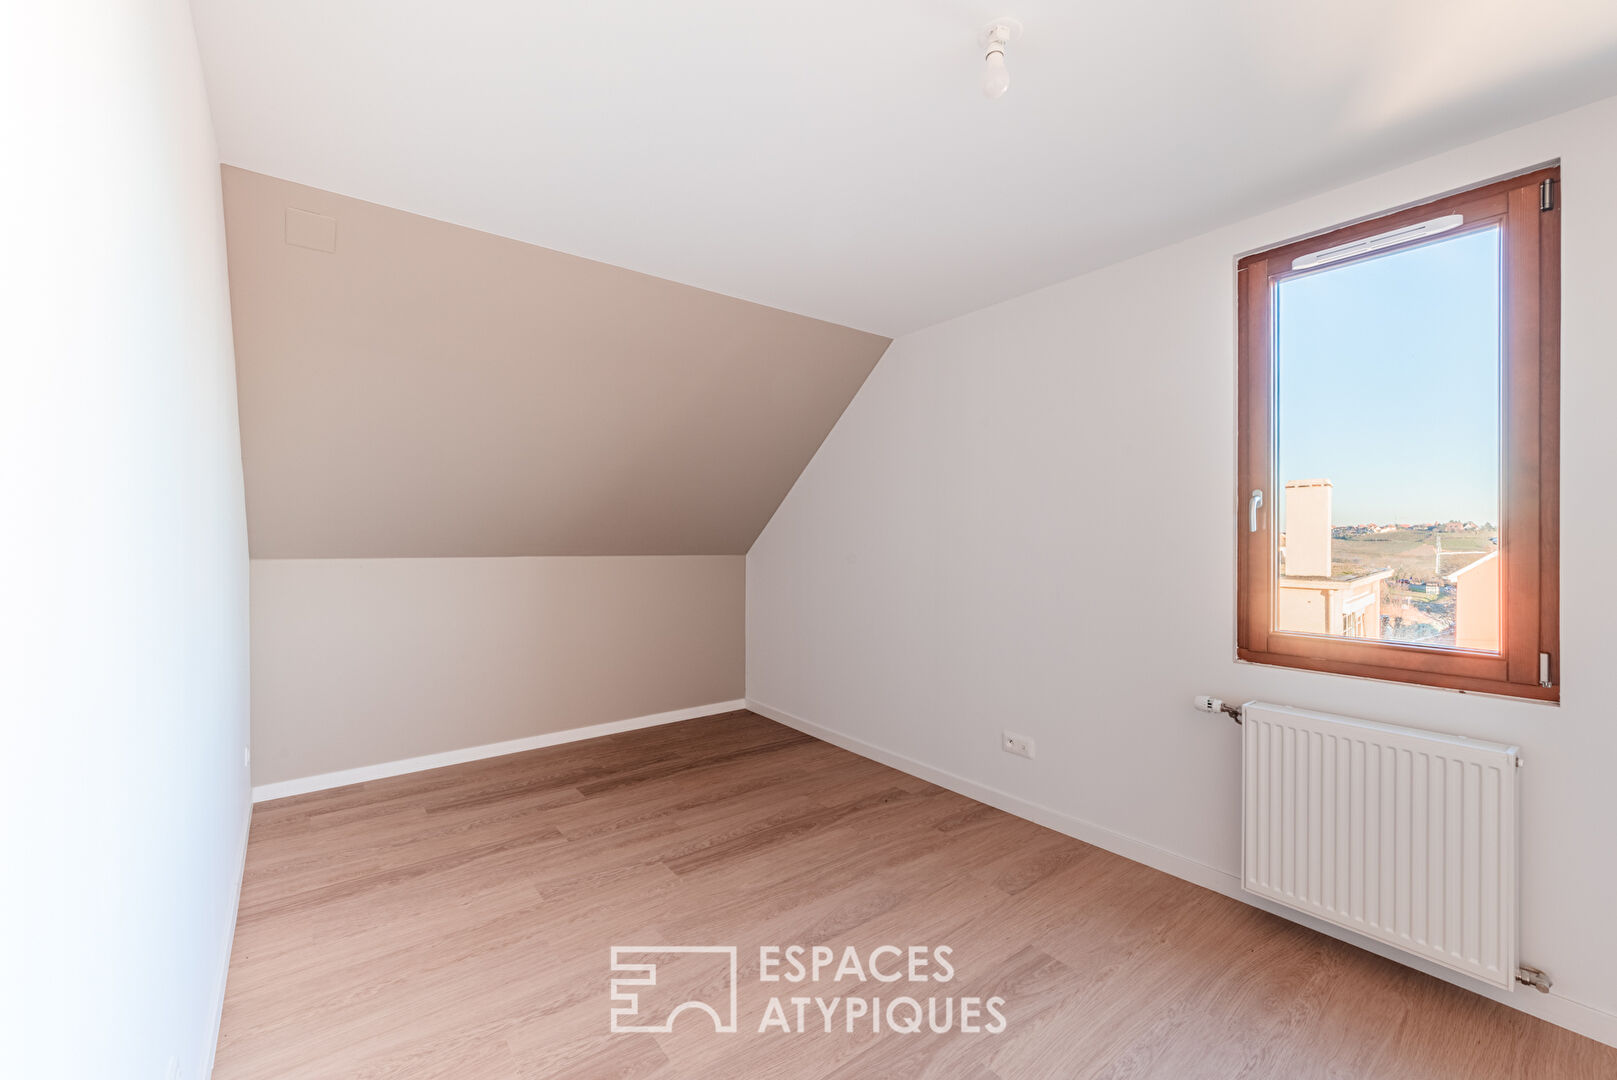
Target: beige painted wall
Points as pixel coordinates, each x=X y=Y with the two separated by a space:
x=425 y=389
x=1476 y=608
x=423 y=397
x=365 y=661
x=1305 y=610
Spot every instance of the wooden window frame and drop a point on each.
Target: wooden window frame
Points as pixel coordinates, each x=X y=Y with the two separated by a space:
x=1530 y=429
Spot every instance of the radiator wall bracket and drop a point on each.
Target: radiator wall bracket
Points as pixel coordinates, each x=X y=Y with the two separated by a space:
x=1532 y=976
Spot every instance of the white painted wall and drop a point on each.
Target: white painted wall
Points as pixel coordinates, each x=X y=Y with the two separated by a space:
x=123 y=549
x=1025 y=520
x=362 y=662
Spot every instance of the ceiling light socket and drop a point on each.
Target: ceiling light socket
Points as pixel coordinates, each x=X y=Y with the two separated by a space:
x=999 y=32
x=995 y=36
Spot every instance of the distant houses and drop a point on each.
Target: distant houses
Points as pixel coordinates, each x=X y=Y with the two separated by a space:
x=1350 y=532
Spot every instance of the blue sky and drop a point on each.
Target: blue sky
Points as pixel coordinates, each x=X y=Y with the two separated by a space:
x=1388 y=382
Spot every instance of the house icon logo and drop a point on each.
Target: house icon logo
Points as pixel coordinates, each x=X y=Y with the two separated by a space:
x=638 y=963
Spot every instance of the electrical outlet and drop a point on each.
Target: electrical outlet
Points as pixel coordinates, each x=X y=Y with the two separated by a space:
x=1020 y=745
x=247 y=756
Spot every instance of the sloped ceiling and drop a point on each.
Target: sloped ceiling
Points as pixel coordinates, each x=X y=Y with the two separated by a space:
x=837 y=157
x=428 y=390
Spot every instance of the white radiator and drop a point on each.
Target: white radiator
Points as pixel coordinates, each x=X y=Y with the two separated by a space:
x=1401 y=835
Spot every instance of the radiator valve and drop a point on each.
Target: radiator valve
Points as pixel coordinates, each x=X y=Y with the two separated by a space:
x=1214 y=705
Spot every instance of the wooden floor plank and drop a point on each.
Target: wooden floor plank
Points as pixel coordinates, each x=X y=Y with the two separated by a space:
x=457 y=923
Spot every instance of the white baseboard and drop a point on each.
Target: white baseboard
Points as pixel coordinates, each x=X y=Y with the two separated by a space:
x=1555 y=1008
x=344 y=777
x=230 y=944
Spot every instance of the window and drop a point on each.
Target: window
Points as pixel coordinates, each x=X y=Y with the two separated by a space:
x=1399 y=473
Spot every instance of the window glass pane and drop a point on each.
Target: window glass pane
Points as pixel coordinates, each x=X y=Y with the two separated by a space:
x=1387 y=409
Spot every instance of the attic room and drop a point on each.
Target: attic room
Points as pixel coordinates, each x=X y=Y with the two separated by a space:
x=808 y=540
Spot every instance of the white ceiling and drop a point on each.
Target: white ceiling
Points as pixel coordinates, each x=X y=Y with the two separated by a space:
x=836 y=158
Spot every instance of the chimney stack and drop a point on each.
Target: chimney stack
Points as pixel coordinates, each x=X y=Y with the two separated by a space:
x=1308 y=528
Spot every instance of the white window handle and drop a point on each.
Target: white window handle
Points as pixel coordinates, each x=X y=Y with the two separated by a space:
x=1257 y=501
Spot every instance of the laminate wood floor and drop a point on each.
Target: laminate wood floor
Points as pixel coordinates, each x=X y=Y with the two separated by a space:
x=458 y=924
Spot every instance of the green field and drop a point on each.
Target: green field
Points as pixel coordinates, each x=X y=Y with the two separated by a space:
x=1410 y=553
x=1410 y=615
